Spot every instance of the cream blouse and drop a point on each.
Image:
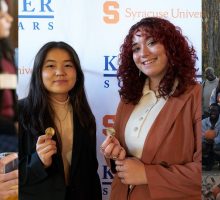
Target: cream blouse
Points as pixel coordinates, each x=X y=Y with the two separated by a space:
x=64 y=123
x=141 y=120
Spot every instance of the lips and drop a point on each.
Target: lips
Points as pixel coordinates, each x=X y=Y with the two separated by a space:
x=60 y=81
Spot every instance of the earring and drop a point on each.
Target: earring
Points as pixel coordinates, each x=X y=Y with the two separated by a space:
x=139 y=73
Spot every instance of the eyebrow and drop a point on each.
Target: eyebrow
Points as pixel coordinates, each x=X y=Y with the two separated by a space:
x=49 y=60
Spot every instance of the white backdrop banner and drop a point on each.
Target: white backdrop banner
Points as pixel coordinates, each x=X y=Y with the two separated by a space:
x=96 y=30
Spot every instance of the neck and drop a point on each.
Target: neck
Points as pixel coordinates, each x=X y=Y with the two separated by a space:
x=154 y=84
x=61 y=101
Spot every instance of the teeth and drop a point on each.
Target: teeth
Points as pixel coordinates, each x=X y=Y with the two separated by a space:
x=148 y=61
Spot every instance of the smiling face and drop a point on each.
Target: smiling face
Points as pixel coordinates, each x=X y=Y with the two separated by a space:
x=149 y=56
x=214 y=112
x=5 y=20
x=58 y=73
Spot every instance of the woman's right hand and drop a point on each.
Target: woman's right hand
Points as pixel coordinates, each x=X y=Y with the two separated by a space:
x=111 y=148
x=46 y=148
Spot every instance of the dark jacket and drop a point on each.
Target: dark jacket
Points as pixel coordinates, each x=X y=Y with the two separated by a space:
x=38 y=183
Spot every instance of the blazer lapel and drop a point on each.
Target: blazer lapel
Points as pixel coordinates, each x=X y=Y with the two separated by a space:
x=128 y=110
x=161 y=126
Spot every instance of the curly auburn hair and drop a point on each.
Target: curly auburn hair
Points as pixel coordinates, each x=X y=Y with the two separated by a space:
x=181 y=60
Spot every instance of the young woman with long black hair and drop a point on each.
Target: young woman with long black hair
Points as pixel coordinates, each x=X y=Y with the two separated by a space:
x=63 y=166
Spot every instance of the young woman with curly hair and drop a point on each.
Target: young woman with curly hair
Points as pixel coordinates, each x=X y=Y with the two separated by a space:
x=156 y=150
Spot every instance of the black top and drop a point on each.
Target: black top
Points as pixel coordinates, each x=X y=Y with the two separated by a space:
x=38 y=183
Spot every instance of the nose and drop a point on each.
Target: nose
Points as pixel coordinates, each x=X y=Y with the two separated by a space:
x=145 y=51
x=60 y=71
x=9 y=18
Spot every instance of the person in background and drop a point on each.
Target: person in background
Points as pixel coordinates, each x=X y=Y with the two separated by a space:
x=156 y=150
x=211 y=137
x=215 y=95
x=61 y=166
x=8 y=81
x=8 y=138
x=208 y=85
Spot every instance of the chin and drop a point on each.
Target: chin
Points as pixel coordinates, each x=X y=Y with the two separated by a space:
x=150 y=74
x=61 y=91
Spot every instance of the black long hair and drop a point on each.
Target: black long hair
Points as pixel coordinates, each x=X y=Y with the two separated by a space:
x=38 y=113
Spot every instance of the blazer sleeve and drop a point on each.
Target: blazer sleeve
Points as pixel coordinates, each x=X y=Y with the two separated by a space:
x=31 y=169
x=96 y=187
x=177 y=181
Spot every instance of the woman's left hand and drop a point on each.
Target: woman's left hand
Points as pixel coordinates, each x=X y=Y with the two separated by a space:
x=131 y=171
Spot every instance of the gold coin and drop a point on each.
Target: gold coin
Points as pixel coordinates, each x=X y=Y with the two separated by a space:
x=12 y=198
x=50 y=131
x=110 y=132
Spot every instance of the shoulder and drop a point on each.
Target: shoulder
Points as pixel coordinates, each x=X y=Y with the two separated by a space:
x=190 y=98
x=194 y=91
x=124 y=105
x=196 y=87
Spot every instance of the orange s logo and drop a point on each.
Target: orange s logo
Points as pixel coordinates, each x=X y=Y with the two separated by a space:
x=108 y=122
x=112 y=14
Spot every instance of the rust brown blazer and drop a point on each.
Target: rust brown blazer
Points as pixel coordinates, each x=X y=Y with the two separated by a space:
x=172 y=151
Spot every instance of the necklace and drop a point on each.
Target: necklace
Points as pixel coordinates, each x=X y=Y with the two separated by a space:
x=61 y=102
x=63 y=123
x=65 y=115
x=61 y=108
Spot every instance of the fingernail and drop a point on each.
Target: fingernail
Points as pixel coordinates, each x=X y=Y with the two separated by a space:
x=114 y=157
